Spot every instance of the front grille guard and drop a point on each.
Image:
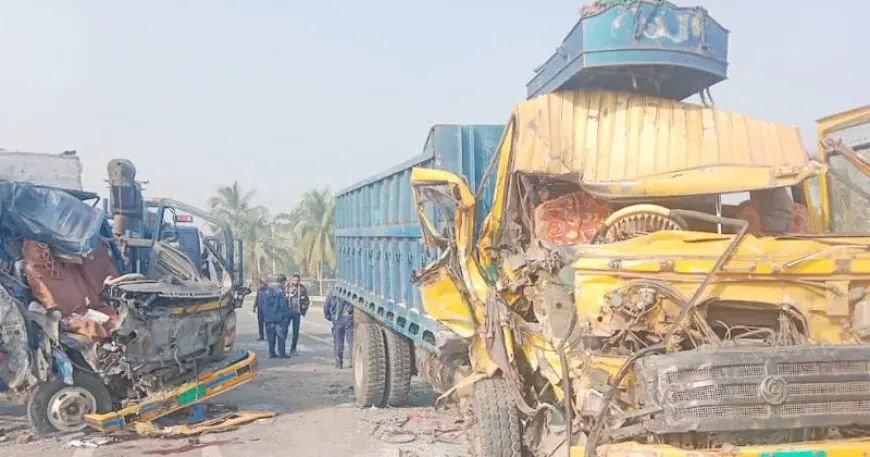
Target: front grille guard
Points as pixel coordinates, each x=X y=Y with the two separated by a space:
x=775 y=388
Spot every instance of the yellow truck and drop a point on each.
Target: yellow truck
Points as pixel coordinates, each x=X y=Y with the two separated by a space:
x=657 y=278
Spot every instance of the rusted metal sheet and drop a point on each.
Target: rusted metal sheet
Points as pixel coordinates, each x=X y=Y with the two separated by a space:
x=626 y=145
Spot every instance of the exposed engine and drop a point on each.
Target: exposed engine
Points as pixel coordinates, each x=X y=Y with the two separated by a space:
x=649 y=362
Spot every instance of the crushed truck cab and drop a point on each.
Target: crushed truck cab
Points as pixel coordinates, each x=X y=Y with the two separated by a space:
x=98 y=323
x=621 y=294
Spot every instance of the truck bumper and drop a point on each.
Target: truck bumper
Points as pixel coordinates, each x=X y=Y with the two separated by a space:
x=226 y=376
x=831 y=448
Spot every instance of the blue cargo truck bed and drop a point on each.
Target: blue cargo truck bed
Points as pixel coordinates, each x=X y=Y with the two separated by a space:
x=378 y=236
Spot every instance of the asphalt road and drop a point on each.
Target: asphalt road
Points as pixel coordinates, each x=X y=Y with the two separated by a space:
x=316 y=415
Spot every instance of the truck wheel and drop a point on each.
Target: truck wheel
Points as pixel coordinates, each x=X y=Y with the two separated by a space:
x=369 y=365
x=399 y=365
x=496 y=430
x=57 y=407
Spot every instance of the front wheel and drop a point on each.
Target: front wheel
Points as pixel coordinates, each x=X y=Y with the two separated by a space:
x=57 y=407
x=496 y=431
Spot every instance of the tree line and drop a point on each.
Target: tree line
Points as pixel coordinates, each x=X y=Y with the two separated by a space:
x=299 y=242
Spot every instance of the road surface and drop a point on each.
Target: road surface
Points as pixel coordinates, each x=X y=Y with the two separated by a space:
x=316 y=415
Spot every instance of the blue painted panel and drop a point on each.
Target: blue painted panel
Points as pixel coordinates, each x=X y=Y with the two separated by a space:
x=378 y=236
x=646 y=46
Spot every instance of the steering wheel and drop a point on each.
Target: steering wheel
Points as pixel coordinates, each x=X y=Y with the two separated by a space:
x=637 y=220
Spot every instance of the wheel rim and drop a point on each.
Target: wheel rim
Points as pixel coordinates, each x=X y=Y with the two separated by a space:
x=357 y=365
x=67 y=408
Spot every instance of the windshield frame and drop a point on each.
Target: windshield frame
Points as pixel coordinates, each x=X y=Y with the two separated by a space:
x=827 y=130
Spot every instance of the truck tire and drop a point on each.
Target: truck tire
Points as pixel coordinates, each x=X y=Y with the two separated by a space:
x=496 y=430
x=57 y=407
x=400 y=363
x=369 y=366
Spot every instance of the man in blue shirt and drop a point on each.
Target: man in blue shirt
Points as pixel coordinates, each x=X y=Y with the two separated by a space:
x=258 y=308
x=340 y=313
x=276 y=315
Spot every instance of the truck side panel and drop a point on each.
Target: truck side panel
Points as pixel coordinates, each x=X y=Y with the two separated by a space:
x=378 y=236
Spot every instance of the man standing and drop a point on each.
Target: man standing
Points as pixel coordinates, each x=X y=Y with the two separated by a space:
x=299 y=301
x=276 y=314
x=258 y=308
x=340 y=313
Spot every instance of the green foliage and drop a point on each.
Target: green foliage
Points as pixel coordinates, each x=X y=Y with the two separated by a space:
x=301 y=241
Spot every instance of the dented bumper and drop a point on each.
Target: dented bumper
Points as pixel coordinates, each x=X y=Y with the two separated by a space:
x=232 y=373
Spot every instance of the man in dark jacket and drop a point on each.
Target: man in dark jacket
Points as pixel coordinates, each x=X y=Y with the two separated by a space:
x=340 y=313
x=276 y=314
x=258 y=308
x=299 y=301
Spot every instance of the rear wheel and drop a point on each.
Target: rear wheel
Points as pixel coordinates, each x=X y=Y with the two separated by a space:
x=496 y=431
x=399 y=368
x=57 y=407
x=369 y=365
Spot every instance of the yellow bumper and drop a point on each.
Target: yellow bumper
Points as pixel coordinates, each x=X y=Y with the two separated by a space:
x=833 y=448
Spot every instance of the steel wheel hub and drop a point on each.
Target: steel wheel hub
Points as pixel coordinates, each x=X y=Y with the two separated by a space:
x=67 y=408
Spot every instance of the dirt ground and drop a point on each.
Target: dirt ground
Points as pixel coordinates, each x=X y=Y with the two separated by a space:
x=316 y=415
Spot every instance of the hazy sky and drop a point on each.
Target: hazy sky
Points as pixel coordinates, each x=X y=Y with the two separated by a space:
x=284 y=96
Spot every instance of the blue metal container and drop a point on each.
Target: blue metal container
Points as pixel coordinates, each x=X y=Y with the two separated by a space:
x=647 y=46
x=378 y=236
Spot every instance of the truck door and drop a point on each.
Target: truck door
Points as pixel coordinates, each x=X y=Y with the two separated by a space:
x=444 y=285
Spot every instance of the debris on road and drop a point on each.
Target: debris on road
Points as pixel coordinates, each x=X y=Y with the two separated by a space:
x=225 y=423
x=397 y=430
x=90 y=442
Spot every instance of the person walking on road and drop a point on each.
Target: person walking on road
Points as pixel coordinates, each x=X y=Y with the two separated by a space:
x=340 y=313
x=297 y=294
x=276 y=314
x=258 y=308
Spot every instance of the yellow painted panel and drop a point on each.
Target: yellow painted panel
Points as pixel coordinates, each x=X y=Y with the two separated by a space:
x=631 y=144
x=444 y=301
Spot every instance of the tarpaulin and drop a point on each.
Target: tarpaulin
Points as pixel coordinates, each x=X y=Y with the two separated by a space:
x=49 y=215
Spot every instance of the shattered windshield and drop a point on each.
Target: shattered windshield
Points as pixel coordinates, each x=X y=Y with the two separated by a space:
x=850 y=210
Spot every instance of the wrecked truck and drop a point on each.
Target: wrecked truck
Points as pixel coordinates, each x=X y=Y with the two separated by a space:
x=93 y=321
x=657 y=278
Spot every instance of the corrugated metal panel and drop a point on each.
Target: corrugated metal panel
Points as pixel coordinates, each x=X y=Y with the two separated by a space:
x=378 y=236
x=55 y=170
x=614 y=138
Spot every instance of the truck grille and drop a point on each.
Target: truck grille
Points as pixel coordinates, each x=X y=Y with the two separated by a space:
x=756 y=388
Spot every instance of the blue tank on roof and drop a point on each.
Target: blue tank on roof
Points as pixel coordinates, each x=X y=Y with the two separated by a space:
x=648 y=46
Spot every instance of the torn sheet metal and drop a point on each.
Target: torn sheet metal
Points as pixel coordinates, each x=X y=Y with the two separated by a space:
x=15 y=362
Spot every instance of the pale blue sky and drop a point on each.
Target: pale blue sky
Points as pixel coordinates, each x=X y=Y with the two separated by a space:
x=284 y=96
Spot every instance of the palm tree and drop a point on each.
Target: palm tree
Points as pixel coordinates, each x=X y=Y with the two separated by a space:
x=248 y=222
x=315 y=231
